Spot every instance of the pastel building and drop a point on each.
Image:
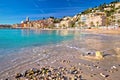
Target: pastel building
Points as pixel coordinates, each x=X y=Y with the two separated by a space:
x=84 y=18
x=117 y=18
x=117 y=5
x=57 y=25
x=94 y=19
x=97 y=19
x=66 y=22
x=25 y=24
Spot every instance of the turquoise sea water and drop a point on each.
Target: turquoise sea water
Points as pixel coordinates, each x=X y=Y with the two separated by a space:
x=19 y=45
x=11 y=39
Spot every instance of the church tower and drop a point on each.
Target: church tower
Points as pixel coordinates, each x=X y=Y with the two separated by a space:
x=27 y=19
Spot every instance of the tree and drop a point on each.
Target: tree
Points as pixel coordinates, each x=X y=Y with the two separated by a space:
x=83 y=23
x=43 y=18
x=91 y=24
x=113 y=19
x=79 y=23
x=64 y=16
x=56 y=20
x=115 y=1
x=101 y=7
x=107 y=22
x=64 y=26
x=52 y=17
x=108 y=13
x=118 y=21
x=97 y=24
x=87 y=11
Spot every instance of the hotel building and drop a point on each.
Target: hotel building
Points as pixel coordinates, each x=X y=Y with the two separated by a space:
x=94 y=19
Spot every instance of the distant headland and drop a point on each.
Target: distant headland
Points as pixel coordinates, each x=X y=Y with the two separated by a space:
x=6 y=26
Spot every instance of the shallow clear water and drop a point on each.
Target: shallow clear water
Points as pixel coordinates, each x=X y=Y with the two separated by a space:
x=12 y=39
x=16 y=38
x=17 y=46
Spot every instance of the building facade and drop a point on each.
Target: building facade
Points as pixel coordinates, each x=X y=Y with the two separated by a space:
x=94 y=19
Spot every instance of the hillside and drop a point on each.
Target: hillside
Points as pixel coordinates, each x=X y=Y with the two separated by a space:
x=111 y=13
x=102 y=15
x=109 y=9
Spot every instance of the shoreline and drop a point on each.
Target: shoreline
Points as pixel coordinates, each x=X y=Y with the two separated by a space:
x=93 y=30
x=71 y=54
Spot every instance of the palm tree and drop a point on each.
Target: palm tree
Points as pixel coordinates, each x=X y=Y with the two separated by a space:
x=79 y=23
x=118 y=21
x=83 y=23
x=113 y=20
x=97 y=24
x=107 y=22
x=91 y=24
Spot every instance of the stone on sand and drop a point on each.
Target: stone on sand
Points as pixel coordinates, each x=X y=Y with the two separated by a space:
x=99 y=55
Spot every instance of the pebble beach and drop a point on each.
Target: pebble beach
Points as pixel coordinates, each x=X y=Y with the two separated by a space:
x=69 y=60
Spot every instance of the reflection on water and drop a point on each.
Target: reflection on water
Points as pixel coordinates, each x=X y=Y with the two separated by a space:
x=25 y=37
x=14 y=39
x=25 y=32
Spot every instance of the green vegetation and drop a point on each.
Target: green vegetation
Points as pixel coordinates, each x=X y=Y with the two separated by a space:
x=102 y=8
x=5 y=26
x=56 y=20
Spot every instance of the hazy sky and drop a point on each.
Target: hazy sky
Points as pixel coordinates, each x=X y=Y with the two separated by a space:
x=14 y=11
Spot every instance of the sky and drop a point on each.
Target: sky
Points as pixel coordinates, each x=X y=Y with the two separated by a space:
x=15 y=11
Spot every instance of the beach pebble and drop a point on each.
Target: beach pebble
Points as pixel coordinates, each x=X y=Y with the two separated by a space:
x=98 y=62
x=68 y=61
x=95 y=66
x=98 y=67
x=64 y=78
x=88 y=53
x=63 y=61
x=91 y=69
x=51 y=73
x=73 y=71
x=91 y=75
x=79 y=64
x=35 y=70
x=75 y=77
x=94 y=74
x=81 y=72
x=103 y=75
x=99 y=55
x=5 y=79
x=18 y=75
x=113 y=67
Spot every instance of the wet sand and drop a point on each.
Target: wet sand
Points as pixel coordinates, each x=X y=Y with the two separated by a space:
x=77 y=53
x=104 y=31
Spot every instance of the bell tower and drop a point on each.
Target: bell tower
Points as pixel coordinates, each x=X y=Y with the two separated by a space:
x=27 y=19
